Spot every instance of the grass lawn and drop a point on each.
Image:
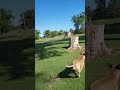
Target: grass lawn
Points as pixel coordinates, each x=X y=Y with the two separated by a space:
x=17 y=61
x=50 y=55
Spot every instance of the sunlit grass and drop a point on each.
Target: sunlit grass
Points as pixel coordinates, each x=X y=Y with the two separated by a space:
x=53 y=63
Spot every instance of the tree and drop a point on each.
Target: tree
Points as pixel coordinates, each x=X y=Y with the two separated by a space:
x=47 y=33
x=61 y=32
x=113 y=10
x=37 y=34
x=27 y=19
x=54 y=33
x=6 y=18
x=78 y=21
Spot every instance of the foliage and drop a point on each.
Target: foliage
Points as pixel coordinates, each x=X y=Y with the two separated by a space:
x=61 y=32
x=49 y=34
x=54 y=33
x=104 y=9
x=27 y=19
x=6 y=17
x=79 y=21
x=37 y=34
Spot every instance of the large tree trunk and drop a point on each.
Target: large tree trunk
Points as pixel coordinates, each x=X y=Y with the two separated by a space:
x=74 y=43
x=95 y=45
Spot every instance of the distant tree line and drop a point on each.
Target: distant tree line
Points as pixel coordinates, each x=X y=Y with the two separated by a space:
x=49 y=33
x=79 y=24
x=6 y=18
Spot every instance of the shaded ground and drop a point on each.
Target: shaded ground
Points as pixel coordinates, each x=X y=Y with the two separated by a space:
x=16 y=62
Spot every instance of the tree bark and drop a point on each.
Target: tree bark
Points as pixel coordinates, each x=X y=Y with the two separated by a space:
x=74 y=43
x=95 y=45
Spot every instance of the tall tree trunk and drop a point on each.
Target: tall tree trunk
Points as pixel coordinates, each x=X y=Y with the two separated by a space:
x=95 y=45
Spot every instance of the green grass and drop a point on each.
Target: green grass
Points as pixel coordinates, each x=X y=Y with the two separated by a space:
x=17 y=60
x=50 y=56
x=97 y=69
x=49 y=64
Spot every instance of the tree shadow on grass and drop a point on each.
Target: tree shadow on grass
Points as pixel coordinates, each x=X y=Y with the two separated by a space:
x=14 y=62
x=65 y=41
x=43 y=51
x=7 y=37
x=82 y=37
x=66 y=47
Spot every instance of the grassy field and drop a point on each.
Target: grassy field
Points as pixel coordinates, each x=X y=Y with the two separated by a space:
x=17 y=60
x=50 y=55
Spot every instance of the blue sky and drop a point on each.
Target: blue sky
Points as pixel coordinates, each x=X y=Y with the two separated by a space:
x=56 y=14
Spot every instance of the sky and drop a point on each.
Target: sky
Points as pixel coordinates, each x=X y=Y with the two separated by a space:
x=56 y=14
x=17 y=7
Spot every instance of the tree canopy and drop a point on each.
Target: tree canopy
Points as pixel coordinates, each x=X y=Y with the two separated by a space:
x=6 y=17
x=79 y=22
x=27 y=19
x=104 y=9
x=53 y=33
